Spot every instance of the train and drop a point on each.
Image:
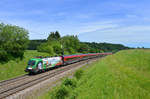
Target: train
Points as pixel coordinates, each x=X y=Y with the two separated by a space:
x=40 y=64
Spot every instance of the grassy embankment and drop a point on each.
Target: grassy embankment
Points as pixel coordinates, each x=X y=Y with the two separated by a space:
x=124 y=75
x=16 y=67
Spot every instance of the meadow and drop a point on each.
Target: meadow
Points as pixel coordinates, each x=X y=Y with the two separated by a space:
x=124 y=75
x=16 y=67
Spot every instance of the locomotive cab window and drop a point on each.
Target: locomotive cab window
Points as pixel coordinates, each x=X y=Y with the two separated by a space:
x=31 y=62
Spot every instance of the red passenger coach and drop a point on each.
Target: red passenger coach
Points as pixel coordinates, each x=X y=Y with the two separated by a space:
x=68 y=59
x=71 y=58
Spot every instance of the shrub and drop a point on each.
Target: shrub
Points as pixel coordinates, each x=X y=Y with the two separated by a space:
x=78 y=74
x=73 y=95
x=70 y=82
x=61 y=92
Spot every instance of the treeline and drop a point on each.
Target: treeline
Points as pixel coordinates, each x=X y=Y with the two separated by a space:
x=106 y=47
x=70 y=44
x=33 y=44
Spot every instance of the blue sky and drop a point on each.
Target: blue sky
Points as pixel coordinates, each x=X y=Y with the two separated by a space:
x=115 y=21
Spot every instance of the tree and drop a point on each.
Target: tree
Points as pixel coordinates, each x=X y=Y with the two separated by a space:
x=54 y=36
x=84 y=48
x=57 y=48
x=45 y=47
x=13 y=41
x=57 y=35
x=53 y=44
x=33 y=44
x=71 y=43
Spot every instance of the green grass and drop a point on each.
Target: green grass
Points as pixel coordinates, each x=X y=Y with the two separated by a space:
x=16 y=67
x=124 y=75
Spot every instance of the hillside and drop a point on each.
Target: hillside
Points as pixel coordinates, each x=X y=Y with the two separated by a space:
x=16 y=67
x=124 y=75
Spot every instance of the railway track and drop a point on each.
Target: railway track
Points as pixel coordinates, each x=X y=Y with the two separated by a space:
x=15 y=85
x=5 y=82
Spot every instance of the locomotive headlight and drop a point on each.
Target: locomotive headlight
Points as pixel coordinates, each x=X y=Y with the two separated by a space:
x=29 y=67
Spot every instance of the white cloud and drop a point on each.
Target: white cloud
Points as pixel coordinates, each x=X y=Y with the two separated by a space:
x=78 y=29
x=125 y=35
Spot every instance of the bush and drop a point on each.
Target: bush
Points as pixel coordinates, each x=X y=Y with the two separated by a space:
x=61 y=93
x=70 y=82
x=73 y=95
x=78 y=74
